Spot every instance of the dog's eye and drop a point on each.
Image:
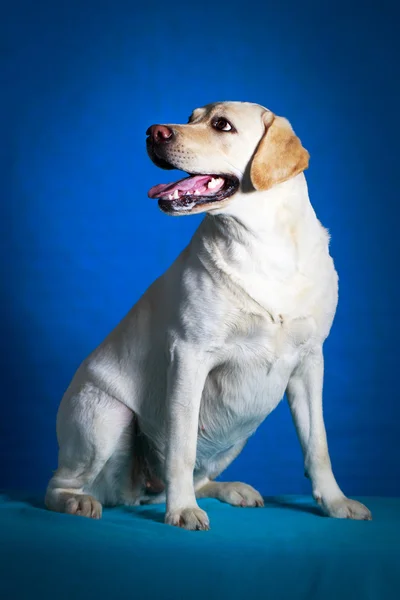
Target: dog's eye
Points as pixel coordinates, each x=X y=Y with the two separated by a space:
x=222 y=124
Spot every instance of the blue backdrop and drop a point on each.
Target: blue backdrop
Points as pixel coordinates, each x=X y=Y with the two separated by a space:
x=80 y=241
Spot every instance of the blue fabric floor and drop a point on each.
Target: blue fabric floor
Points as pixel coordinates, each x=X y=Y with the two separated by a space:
x=285 y=550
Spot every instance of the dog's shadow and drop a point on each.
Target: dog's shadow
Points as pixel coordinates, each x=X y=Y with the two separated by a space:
x=269 y=502
x=158 y=515
x=149 y=515
x=285 y=503
x=33 y=500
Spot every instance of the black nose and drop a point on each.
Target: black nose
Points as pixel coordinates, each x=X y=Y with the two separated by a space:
x=160 y=134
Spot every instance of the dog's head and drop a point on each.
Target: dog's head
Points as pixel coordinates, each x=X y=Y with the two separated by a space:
x=227 y=148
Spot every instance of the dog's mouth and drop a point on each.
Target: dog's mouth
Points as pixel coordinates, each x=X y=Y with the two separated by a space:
x=193 y=191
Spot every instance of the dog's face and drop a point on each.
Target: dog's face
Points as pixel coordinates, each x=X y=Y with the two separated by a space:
x=227 y=148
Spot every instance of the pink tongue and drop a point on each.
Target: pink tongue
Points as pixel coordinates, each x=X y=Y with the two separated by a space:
x=184 y=185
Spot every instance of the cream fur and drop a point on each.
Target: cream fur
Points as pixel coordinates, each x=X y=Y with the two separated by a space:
x=211 y=347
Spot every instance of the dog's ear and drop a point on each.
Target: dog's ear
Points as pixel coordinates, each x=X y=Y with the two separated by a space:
x=279 y=155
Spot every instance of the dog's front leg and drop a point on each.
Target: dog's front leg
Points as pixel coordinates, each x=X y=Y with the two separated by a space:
x=304 y=394
x=187 y=373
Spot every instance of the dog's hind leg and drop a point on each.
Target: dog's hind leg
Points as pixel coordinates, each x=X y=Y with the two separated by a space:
x=231 y=492
x=90 y=424
x=235 y=493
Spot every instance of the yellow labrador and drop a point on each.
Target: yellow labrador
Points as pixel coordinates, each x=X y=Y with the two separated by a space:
x=170 y=397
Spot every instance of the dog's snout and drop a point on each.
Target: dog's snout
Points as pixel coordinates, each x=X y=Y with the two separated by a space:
x=160 y=134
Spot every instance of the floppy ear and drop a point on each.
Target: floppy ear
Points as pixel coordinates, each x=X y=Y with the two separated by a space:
x=279 y=155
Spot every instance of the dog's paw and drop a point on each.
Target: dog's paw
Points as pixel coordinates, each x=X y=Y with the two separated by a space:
x=344 y=508
x=192 y=518
x=239 y=494
x=83 y=505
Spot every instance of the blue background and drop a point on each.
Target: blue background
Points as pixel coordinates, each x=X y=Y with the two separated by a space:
x=80 y=241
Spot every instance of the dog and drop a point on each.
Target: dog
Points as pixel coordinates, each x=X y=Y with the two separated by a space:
x=170 y=397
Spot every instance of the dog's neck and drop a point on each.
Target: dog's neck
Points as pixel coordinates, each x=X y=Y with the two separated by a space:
x=268 y=225
x=264 y=240
x=262 y=212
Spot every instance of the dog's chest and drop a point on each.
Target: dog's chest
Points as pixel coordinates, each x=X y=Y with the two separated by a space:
x=250 y=380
